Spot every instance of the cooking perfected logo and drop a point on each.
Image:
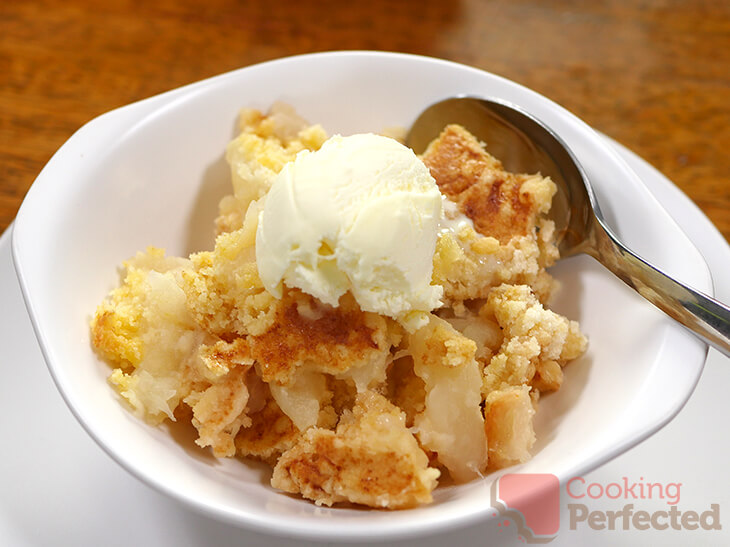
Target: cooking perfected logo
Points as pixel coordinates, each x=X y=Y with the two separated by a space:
x=532 y=502
x=631 y=518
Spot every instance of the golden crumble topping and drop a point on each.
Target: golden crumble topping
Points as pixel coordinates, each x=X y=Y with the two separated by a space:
x=265 y=144
x=219 y=412
x=509 y=241
x=501 y=204
x=371 y=458
x=535 y=339
x=306 y=332
x=271 y=431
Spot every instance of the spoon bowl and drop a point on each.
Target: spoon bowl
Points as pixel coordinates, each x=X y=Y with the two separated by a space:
x=526 y=145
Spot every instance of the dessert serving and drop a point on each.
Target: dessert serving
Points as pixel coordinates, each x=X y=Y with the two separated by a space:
x=369 y=322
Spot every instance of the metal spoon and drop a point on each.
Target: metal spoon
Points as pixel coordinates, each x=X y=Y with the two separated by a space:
x=526 y=145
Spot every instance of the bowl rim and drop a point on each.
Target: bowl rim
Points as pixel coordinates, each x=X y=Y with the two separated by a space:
x=130 y=115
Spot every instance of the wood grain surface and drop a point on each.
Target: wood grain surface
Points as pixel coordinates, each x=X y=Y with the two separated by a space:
x=654 y=75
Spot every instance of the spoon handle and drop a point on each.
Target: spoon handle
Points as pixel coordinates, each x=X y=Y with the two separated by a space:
x=706 y=317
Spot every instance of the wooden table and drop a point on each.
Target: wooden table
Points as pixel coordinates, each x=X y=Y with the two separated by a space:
x=654 y=75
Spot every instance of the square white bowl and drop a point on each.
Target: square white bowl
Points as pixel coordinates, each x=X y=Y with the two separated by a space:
x=151 y=173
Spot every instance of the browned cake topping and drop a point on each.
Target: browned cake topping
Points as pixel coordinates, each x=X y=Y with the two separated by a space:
x=494 y=199
x=307 y=331
x=371 y=458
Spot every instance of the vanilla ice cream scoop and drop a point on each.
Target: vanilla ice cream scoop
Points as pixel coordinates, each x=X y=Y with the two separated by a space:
x=361 y=214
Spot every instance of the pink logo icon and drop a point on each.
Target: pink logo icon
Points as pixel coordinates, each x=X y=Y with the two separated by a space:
x=532 y=500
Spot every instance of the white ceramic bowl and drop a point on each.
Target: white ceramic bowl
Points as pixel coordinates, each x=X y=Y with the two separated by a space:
x=151 y=174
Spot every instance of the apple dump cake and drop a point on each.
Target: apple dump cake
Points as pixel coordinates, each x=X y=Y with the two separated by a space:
x=367 y=322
